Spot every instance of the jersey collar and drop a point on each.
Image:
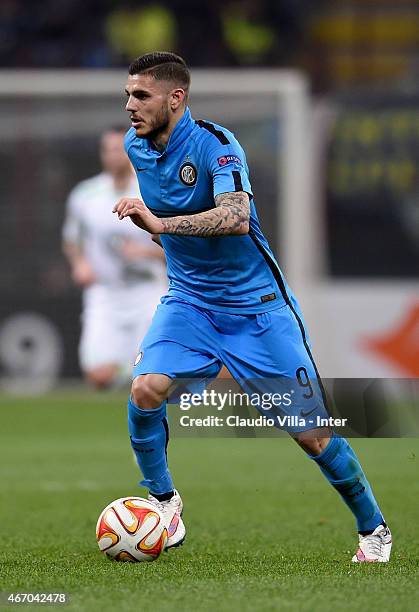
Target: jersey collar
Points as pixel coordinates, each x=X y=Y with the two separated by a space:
x=180 y=133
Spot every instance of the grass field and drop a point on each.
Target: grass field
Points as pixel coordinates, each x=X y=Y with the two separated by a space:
x=264 y=530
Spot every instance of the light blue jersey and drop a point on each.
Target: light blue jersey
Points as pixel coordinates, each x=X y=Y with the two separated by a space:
x=232 y=274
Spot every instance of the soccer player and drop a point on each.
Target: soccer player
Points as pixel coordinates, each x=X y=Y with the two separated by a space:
x=227 y=302
x=114 y=264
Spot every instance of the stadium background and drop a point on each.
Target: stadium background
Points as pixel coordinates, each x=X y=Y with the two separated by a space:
x=337 y=186
x=348 y=238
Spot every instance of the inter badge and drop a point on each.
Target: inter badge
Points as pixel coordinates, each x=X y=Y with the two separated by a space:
x=188 y=174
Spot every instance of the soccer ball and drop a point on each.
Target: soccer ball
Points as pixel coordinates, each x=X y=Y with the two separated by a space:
x=131 y=529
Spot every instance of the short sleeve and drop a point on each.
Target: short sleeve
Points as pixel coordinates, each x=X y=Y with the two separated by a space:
x=228 y=168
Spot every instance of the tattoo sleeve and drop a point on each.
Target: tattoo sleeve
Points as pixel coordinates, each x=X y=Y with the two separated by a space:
x=229 y=217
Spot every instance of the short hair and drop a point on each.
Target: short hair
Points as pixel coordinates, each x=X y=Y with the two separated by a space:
x=162 y=66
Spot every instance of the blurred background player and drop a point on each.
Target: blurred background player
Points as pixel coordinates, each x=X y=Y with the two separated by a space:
x=119 y=268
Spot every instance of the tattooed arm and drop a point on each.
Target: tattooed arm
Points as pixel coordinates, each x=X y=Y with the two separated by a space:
x=229 y=217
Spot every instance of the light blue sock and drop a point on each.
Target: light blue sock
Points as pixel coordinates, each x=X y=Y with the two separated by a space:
x=149 y=433
x=341 y=466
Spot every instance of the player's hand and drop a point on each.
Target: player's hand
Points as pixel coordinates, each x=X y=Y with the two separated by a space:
x=82 y=273
x=139 y=214
x=132 y=251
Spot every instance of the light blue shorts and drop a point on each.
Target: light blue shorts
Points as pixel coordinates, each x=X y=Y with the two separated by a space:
x=265 y=353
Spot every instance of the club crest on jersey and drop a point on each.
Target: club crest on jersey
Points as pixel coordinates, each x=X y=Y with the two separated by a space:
x=229 y=159
x=138 y=358
x=188 y=174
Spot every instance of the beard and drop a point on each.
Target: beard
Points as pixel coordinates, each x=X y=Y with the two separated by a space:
x=158 y=124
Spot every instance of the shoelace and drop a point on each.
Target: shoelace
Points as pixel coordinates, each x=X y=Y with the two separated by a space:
x=375 y=544
x=162 y=506
x=157 y=503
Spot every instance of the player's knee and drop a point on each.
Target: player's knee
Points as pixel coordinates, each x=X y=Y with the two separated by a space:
x=313 y=442
x=146 y=393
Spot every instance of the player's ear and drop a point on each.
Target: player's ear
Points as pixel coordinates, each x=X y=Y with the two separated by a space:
x=177 y=98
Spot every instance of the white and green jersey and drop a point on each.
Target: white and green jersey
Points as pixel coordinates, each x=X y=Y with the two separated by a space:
x=90 y=223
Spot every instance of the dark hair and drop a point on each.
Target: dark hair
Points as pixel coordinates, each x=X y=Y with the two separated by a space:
x=162 y=66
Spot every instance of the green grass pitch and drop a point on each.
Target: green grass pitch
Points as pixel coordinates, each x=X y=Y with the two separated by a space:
x=265 y=532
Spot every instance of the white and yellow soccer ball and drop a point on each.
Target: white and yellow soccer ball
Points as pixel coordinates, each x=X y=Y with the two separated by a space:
x=131 y=529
